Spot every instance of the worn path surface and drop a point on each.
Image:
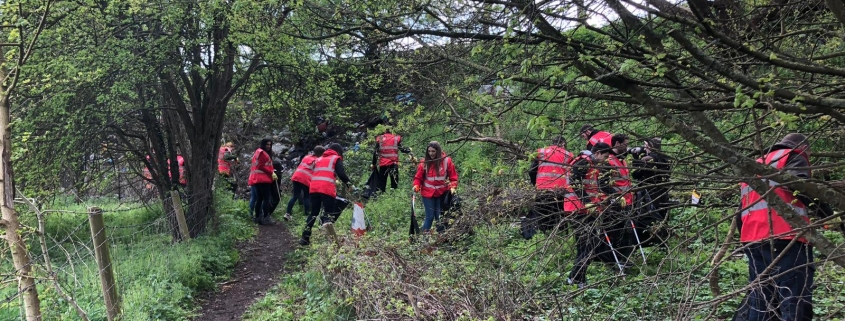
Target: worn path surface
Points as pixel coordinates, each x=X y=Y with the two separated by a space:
x=261 y=263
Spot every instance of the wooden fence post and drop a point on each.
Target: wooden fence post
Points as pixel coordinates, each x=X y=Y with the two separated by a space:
x=180 y=215
x=101 y=251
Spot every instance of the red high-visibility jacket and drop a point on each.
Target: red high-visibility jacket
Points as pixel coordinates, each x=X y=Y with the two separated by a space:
x=759 y=221
x=261 y=170
x=553 y=173
x=599 y=137
x=388 y=149
x=323 y=179
x=304 y=172
x=434 y=182
x=620 y=179
x=223 y=166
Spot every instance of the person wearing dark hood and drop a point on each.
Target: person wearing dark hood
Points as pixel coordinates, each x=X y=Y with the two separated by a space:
x=594 y=136
x=591 y=170
x=262 y=177
x=770 y=242
x=386 y=158
x=326 y=170
x=652 y=170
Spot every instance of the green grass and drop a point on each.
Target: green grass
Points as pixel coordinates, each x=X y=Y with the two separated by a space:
x=497 y=274
x=157 y=280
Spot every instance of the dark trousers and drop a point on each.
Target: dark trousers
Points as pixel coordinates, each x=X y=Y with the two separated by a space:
x=791 y=291
x=385 y=172
x=586 y=244
x=300 y=193
x=592 y=235
x=267 y=199
x=548 y=210
x=331 y=213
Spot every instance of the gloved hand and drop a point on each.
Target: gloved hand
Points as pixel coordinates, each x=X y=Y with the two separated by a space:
x=275 y=177
x=452 y=190
x=591 y=208
x=416 y=188
x=372 y=167
x=621 y=201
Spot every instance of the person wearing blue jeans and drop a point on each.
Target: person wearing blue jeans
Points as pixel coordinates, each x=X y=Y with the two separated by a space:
x=433 y=209
x=435 y=177
x=253 y=198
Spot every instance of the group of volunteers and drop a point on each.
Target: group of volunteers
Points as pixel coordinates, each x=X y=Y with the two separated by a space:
x=608 y=204
x=315 y=180
x=594 y=193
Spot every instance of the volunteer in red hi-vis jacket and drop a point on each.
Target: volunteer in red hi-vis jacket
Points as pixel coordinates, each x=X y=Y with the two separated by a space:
x=262 y=177
x=436 y=176
x=301 y=179
x=594 y=136
x=770 y=241
x=326 y=170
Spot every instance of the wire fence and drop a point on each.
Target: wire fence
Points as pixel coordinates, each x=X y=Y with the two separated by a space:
x=68 y=265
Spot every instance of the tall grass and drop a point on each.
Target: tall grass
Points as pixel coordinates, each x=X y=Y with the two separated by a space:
x=156 y=279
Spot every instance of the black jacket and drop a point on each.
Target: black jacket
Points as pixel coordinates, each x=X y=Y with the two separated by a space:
x=655 y=169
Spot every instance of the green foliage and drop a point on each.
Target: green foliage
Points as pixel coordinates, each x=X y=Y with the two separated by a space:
x=157 y=280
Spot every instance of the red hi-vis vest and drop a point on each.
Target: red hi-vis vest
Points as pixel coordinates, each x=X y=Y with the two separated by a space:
x=591 y=182
x=553 y=173
x=388 y=149
x=182 y=178
x=304 y=172
x=435 y=182
x=600 y=137
x=620 y=180
x=223 y=166
x=756 y=219
x=323 y=178
x=147 y=174
x=261 y=171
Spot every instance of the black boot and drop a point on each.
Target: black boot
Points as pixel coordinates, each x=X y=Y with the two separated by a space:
x=267 y=220
x=306 y=237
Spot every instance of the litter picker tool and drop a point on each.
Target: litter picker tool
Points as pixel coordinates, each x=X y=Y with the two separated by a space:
x=612 y=250
x=415 y=228
x=637 y=236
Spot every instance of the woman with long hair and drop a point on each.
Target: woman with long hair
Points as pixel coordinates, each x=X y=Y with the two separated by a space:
x=435 y=177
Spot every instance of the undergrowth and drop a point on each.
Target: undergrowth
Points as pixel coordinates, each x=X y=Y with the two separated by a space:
x=156 y=279
x=491 y=273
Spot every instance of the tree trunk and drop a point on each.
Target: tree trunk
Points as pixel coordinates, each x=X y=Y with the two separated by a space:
x=201 y=172
x=23 y=267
